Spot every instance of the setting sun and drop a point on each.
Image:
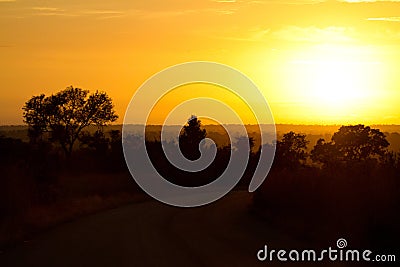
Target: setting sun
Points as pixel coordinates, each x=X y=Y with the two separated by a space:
x=329 y=83
x=339 y=82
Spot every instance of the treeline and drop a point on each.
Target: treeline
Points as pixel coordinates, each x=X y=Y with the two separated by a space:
x=346 y=187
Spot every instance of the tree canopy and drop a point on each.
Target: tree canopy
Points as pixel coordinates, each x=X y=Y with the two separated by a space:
x=291 y=150
x=190 y=138
x=354 y=143
x=65 y=114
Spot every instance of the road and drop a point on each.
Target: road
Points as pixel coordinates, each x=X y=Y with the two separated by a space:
x=153 y=234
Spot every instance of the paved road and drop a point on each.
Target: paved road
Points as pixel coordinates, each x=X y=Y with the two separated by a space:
x=154 y=234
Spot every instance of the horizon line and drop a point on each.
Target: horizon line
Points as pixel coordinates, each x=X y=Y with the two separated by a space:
x=247 y=124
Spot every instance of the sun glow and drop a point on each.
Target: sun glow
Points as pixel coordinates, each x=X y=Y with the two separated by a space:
x=336 y=82
x=340 y=83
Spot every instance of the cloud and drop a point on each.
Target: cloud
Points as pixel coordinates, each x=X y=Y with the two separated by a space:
x=225 y=12
x=386 y=36
x=289 y=2
x=301 y=2
x=144 y=14
x=257 y=34
x=367 y=1
x=313 y=34
x=102 y=12
x=390 y=19
x=50 y=9
x=304 y=2
x=243 y=1
x=225 y=1
x=163 y=14
x=97 y=13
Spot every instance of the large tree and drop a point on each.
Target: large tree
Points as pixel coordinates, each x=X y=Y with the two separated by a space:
x=65 y=114
x=190 y=138
x=354 y=143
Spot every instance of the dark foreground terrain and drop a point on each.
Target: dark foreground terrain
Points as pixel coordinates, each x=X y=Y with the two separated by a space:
x=153 y=234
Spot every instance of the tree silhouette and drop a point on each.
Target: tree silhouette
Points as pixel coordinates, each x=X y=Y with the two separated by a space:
x=325 y=152
x=65 y=114
x=190 y=138
x=354 y=143
x=96 y=141
x=291 y=150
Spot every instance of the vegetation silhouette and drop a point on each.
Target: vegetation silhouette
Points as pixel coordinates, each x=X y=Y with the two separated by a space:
x=189 y=143
x=348 y=186
x=291 y=150
x=66 y=114
x=351 y=145
x=190 y=137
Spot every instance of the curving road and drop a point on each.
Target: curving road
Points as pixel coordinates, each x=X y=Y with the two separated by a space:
x=154 y=234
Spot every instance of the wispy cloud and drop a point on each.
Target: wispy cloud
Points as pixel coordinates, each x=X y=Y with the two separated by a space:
x=367 y=1
x=313 y=34
x=102 y=12
x=50 y=9
x=387 y=35
x=301 y=2
x=144 y=14
x=256 y=34
x=305 y=2
x=298 y=2
x=390 y=19
x=56 y=11
x=225 y=1
x=164 y=14
x=226 y=12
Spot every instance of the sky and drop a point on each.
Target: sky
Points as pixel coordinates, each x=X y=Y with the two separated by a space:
x=315 y=61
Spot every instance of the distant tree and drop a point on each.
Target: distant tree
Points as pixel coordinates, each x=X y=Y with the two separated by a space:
x=354 y=143
x=65 y=114
x=116 y=141
x=291 y=150
x=96 y=141
x=244 y=142
x=190 y=138
x=391 y=161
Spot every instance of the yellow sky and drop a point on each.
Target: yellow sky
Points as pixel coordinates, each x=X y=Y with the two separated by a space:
x=316 y=62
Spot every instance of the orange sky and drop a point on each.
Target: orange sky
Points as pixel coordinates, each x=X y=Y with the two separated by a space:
x=318 y=62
